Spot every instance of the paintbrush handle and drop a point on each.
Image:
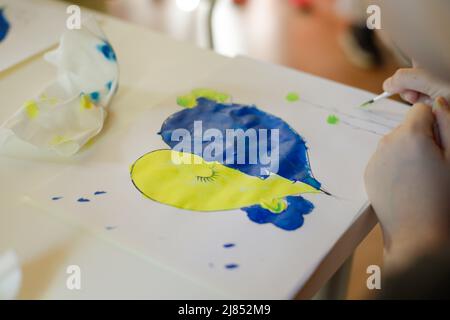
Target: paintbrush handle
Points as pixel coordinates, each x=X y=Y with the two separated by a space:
x=382 y=96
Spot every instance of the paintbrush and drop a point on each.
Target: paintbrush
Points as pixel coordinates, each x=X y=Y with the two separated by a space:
x=384 y=95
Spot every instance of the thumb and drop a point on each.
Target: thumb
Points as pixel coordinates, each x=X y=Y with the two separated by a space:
x=441 y=110
x=420 y=119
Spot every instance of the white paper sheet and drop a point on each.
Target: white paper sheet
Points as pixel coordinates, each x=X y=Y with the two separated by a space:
x=273 y=263
x=34 y=26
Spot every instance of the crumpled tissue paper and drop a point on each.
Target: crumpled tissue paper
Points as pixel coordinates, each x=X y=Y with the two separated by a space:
x=71 y=110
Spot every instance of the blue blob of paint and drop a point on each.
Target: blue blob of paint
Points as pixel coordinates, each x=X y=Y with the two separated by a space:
x=95 y=96
x=4 y=25
x=109 y=85
x=289 y=220
x=293 y=156
x=97 y=193
x=229 y=245
x=83 y=200
x=56 y=198
x=232 y=266
x=107 y=51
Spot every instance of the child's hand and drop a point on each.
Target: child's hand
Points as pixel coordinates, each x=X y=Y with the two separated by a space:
x=408 y=181
x=416 y=85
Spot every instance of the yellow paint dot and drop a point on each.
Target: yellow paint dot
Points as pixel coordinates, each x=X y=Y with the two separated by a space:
x=85 y=102
x=31 y=109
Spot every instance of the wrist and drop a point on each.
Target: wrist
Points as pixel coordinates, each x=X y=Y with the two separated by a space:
x=410 y=243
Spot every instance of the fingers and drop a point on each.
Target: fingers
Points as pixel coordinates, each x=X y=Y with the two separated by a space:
x=420 y=119
x=410 y=96
x=408 y=80
x=441 y=109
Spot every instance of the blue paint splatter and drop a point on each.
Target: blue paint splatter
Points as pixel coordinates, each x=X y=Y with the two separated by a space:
x=232 y=266
x=95 y=96
x=293 y=152
x=97 y=193
x=83 y=200
x=289 y=220
x=109 y=85
x=56 y=198
x=4 y=25
x=293 y=157
x=229 y=245
x=107 y=51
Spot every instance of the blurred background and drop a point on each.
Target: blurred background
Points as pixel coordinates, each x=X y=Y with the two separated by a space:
x=327 y=38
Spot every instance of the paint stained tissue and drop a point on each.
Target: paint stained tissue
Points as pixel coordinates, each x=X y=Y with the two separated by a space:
x=70 y=111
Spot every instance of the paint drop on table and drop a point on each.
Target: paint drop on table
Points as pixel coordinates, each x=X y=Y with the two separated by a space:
x=56 y=198
x=98 y=193
x=292 y=97
x=333 y=119
x=232 y=266
x=4 y=25
x=229 y=245
x=83 y=200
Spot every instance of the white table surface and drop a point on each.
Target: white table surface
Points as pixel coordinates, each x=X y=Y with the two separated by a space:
x=46 y=245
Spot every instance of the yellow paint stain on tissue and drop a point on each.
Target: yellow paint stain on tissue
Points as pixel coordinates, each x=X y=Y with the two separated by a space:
x=85 y=102
x=51 y=100
x=58 y=140
x=31 y=109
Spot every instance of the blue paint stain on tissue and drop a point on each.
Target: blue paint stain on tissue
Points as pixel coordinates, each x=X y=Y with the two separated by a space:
x=107 y=51
x=83 y=200
x=4 y=25
x=95 y=96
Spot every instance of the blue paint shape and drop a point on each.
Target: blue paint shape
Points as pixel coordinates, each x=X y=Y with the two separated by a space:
x=97 y=193
x=229 y=245
x=4 y=25
x=83 y=200
x=109 y=85
x=95 y=96
x=293 y=156
x=289 y=220
x=232 y=266
x=293 y=152
x=56 y=198
x=107 y=51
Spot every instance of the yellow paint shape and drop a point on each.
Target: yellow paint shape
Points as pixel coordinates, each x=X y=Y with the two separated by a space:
x=31 y=109
x=275 y=205
x=208 y=186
